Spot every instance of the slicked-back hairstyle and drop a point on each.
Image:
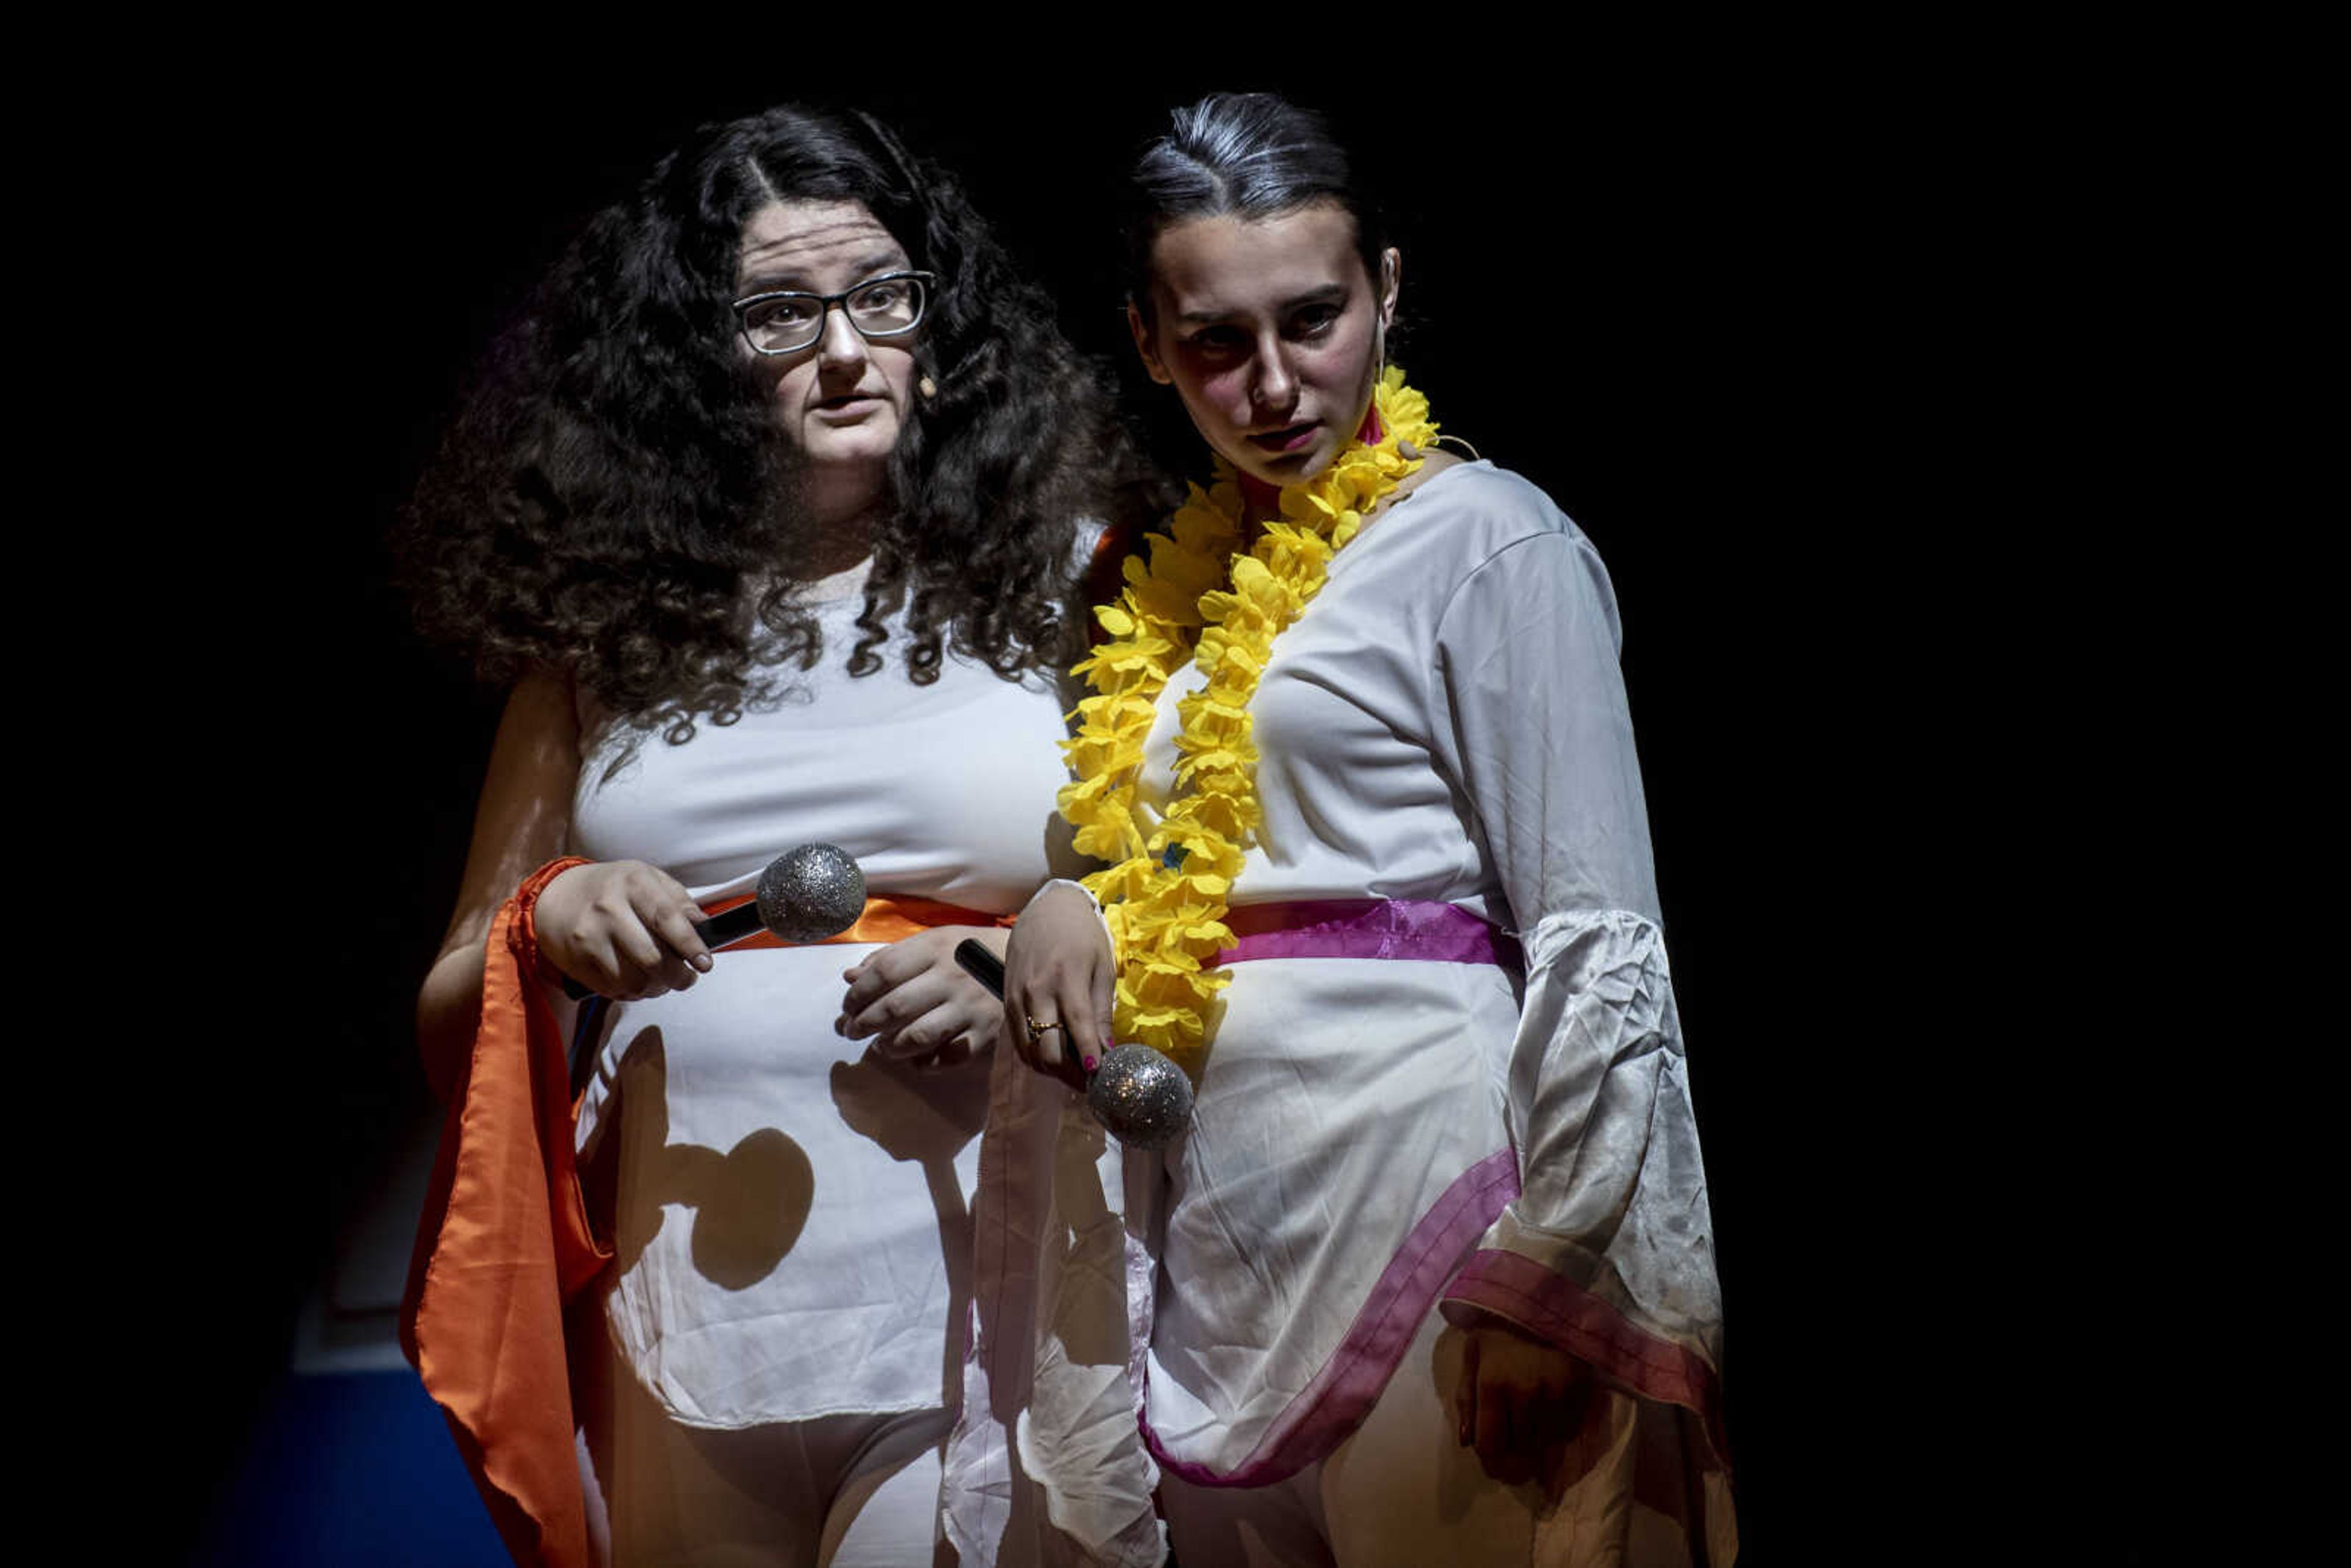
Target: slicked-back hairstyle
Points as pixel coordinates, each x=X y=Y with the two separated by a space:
x=617 y=502
x=1249 y=155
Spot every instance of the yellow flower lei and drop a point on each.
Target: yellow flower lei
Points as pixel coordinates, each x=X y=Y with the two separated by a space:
x=1200 y=598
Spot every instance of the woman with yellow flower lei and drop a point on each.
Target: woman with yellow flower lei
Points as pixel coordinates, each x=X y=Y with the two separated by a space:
x=1431 y=1270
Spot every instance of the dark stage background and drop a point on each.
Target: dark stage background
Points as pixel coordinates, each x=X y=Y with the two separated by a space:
x=1689 y=299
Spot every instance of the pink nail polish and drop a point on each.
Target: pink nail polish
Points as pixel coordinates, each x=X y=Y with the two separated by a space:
x=1091 y=1062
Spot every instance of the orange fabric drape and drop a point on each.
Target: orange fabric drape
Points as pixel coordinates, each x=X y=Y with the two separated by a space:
x=505 y=1240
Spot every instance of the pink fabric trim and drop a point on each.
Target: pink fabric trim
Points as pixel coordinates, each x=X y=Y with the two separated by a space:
x=1555 y=1308
x=1350 y=1383
x=1365 y=928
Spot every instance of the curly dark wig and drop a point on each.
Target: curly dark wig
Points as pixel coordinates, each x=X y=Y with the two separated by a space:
x=616 y=501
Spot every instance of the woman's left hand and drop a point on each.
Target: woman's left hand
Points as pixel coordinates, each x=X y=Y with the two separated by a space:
x=917 y=1002
x=1520 y=1399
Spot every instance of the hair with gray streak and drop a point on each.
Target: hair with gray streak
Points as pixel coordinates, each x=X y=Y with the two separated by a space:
x=1250 y=155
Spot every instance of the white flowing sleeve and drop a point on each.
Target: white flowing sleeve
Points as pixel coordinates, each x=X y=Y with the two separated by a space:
x=1607 y=1252
x=1045 y=1466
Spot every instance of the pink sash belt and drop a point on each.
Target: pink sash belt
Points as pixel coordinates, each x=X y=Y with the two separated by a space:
x=1367 y=928
x=1350 y=1382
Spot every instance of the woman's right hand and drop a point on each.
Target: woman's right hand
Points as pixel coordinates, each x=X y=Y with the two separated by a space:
x=1058 y=969
x=622 y=928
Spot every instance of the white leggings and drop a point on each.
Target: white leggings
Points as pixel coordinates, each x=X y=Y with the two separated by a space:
x=1401 y=1493
x=839 y=1491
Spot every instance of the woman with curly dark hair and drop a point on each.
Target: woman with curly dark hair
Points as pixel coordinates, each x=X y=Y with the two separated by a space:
x=779 y=491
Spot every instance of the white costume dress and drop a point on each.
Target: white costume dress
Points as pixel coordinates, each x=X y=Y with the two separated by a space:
x=1445 y=724
x=791 y=1219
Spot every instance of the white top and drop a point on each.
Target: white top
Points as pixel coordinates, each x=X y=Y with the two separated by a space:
x=1445 y=722
x=792 y=1224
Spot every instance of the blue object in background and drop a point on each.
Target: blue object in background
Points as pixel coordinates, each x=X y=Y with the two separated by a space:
x=351 y=1469
x=348 y=1463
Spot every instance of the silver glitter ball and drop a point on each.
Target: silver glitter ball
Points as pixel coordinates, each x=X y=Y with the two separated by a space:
x=1141 y=1096
x=812 y=893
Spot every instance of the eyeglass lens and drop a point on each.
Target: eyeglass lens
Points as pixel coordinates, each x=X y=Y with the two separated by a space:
x=787 y=322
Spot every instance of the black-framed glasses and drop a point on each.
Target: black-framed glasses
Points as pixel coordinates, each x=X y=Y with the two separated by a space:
x=786 y=323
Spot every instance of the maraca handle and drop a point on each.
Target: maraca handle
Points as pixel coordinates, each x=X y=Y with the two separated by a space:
x=726 y=926
x=981 y=964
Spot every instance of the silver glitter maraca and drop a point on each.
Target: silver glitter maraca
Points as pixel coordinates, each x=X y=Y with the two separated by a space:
x=812 y=893
x=1141 y=1096
x=805 y=894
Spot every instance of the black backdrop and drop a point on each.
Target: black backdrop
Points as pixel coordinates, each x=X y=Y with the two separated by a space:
x=1707 y=307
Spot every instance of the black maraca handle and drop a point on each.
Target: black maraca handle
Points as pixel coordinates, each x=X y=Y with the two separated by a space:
x=1135 y=1091
x=982 y=966
x=728 y=926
